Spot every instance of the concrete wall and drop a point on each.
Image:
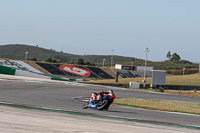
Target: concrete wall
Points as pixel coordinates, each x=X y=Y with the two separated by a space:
x=141 y=68
x=19 y=65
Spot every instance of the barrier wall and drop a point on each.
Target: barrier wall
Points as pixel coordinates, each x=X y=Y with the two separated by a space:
x=75 y=71
x=12 y=71
x=21 y=68
x=19 y=65
x=30 y=74
x=7 y=70
x=131 y=74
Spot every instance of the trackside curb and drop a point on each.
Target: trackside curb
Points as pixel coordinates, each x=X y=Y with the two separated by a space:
x=98 y=116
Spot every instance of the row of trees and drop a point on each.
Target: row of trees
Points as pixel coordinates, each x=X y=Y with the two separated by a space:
x=53 y=60
x=80 y=61
x=173 y=57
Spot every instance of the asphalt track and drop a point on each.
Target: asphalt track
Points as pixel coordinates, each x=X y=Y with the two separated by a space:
x=70 y=97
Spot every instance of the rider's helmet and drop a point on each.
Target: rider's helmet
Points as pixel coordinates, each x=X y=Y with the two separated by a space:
x=110 y=91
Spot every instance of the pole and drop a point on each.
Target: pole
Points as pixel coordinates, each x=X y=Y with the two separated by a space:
x=117 y=75
x=103 y=62
x=145 y=68
x=199 y=68
x=112 y=58
x=26 y=55
x=131 y=65
x=183 y=71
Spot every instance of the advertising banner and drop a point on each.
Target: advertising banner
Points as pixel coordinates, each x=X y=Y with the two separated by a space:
x=75 y=70
x=19 y=65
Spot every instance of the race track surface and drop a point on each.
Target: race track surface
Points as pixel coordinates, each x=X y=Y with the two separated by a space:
x=70 y=97
x=16 y=120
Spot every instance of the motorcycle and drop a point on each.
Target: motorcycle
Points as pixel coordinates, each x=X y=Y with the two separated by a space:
x=100 y=101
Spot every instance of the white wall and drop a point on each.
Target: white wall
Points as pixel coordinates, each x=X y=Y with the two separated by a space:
x=30 y=74
x=141 y=68
x=118 y=66
x=15 y=64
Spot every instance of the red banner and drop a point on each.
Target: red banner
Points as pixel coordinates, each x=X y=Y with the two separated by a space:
x=75 y=70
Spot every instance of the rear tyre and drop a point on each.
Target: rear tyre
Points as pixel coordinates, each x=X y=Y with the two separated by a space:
x=102 y=105
x=107 y=108
x=85 y=105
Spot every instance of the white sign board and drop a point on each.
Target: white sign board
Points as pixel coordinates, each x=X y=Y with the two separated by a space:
x=158 y=77
x=141 y=68
x=134 y=85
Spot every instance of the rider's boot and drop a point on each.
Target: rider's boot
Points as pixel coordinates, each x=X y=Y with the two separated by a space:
x=93 y=102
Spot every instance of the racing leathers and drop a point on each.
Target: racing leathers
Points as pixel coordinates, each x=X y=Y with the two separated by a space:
x=97 y=96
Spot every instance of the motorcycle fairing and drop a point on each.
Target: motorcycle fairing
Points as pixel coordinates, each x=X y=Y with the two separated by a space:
x=90 y=105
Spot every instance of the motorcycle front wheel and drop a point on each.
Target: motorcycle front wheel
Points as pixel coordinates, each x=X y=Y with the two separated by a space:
x=102 y=105
x=85 y=105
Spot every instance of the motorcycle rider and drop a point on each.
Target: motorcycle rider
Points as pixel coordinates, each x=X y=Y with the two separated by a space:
x=97 y=96
x=100 y=100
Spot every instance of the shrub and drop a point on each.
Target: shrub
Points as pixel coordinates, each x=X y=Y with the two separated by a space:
x=125 y=85
x=161 y=89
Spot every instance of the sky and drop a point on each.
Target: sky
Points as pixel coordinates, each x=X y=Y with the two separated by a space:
x=105 y=27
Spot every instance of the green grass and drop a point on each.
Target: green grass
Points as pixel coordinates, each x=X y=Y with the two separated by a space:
x=193 y=93
x=192 y=80
x=163 y=105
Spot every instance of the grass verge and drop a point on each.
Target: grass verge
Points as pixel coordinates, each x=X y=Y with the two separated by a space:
x=192 y=80
x=163 y=105
x=191 y=93
x=184 y=93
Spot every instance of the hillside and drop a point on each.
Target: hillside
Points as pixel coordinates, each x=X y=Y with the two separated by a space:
x=17 y=51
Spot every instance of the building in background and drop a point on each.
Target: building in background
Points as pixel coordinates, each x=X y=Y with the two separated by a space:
x=133 y=68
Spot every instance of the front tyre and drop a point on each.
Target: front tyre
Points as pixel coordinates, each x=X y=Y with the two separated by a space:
x=103 y=105
x=85 y=105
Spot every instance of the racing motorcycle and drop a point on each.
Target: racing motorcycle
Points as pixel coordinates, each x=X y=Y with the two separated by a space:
x=101 y=100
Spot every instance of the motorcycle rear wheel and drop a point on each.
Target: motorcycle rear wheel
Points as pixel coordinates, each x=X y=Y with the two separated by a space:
x=103 y=105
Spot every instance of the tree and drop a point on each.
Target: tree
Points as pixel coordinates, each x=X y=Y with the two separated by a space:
x=93 y=64
x=70 y=62
x=32 y=59
x=54 y=60
x=87 y=63
x=59 y=61
x=175 y=57
x=49 y=59
x=169 y=55
x=80 y=61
